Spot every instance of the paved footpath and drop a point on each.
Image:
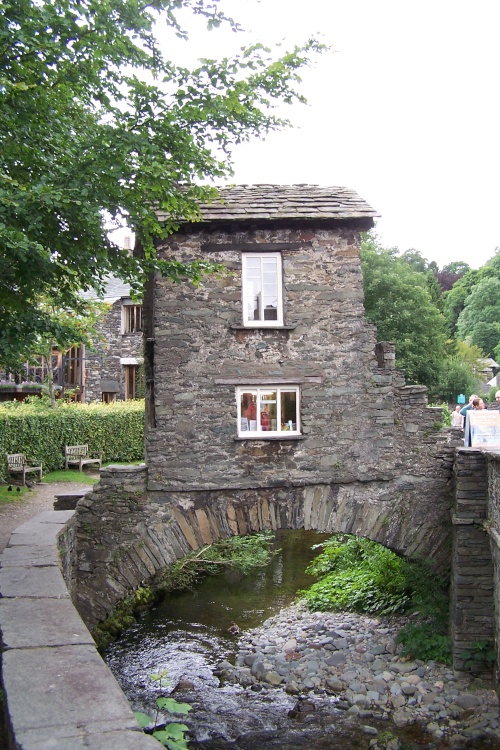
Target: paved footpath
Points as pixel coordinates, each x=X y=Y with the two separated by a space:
x=74 y=703
x=40 y=498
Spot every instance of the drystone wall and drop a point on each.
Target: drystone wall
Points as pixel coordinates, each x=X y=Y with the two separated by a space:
x=492 y=525
x=471 y=604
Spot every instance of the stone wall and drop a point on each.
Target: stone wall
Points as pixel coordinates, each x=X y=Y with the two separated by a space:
x=201 y=352
x=103 y=365
x=471 y=599
x=493 y=527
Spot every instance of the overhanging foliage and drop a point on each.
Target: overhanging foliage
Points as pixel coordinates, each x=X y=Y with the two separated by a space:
x=97 y=127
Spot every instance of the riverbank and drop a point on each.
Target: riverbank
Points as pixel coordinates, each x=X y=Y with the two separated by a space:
x=354 y=662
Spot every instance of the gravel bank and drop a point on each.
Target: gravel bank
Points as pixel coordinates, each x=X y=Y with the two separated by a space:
x=354 y=661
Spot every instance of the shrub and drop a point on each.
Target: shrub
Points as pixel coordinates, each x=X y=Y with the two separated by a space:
x=359 y=575
x=41 y=433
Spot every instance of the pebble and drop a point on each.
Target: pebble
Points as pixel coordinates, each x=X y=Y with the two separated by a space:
x=355 y=662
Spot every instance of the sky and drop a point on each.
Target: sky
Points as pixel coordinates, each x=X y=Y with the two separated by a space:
x=403 y=109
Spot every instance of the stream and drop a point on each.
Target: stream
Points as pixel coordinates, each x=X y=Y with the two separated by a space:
x=187 y=635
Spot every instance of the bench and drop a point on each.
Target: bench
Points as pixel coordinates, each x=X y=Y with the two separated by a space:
x=80 y=454
x=17 y=463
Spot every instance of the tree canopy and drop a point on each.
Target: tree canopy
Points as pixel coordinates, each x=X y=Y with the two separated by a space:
x=398 y=300
x=479 y=320
x=99 y=128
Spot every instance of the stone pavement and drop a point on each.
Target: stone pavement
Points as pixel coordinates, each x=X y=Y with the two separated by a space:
x=40 y=498
x=59 y=693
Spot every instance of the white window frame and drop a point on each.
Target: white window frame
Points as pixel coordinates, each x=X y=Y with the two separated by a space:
x=261 y=323
x=244 y=427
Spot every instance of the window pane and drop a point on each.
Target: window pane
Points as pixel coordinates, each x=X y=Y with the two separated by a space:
x=288 y=410
x=248 y=407
x=268 y=411
x=261 y=288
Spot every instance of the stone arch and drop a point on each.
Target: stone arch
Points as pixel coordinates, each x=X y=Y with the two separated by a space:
x=123 y=534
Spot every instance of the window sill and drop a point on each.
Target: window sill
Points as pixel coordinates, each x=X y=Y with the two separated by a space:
x=263 y=328
x=240 y=439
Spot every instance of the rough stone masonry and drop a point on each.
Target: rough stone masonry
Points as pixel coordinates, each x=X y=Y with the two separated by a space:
x=370 y=457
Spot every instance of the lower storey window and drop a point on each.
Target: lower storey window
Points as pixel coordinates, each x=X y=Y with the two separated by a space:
x=268 y=411
x=134 y=381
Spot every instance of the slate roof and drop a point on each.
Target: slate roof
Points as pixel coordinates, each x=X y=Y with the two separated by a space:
x=114 y=290
x=271 y=202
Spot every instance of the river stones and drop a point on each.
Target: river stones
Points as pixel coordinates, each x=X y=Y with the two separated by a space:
x=354 y=662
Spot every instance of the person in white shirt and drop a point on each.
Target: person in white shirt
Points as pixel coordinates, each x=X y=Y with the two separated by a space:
x=457 y=419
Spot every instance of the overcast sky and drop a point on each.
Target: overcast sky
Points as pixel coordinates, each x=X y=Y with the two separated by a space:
x=404 y=110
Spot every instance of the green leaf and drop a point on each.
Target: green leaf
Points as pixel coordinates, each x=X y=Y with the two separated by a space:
x=172 y=706
x=143 y=719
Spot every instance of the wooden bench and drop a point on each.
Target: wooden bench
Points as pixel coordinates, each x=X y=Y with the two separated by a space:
x=17 y=463
x=80 y=454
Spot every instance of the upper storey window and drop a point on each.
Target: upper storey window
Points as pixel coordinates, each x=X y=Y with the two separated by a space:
x=132 y=318
x=262 y=290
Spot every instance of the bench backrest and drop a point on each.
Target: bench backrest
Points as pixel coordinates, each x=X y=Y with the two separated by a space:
x=76 y=451
x=16 y=460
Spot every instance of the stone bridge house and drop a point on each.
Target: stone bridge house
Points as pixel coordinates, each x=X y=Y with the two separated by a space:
x=266 y=392
x=270 y=404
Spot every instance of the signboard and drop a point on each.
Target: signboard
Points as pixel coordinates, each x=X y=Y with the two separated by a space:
x=483 y=428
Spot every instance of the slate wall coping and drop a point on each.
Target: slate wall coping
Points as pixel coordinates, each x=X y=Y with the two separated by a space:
x=58 y=690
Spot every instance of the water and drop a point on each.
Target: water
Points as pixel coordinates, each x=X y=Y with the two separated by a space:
x=187 y=634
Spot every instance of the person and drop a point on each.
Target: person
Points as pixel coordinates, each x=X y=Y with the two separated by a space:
x=474 y=404
x=465 y=409
x=497 y=397
x=457 y=419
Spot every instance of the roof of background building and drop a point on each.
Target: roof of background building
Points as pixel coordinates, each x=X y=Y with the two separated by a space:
x=278 y=202
x=114 y=290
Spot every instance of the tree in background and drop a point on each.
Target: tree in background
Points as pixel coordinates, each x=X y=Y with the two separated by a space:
x=99 y=129
x=459 y=372
x=399 y=302
x=479 y=321
x=450 y=274
x=454 y=300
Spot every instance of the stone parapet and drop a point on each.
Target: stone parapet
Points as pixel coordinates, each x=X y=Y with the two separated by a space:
x=493 y=527
x=471 y=599
x=58 y=691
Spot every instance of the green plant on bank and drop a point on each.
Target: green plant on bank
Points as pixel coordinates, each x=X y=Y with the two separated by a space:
x=172 y=734
x=445 y=410
x=360 y=575
x=481 y=657
x=243 y=553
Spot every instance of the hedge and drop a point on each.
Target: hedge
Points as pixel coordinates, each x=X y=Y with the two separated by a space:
x=41 y=433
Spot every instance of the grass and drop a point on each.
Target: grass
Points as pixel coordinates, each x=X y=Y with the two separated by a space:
x=85 y=477
x=14 y=496
x=82 y=477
